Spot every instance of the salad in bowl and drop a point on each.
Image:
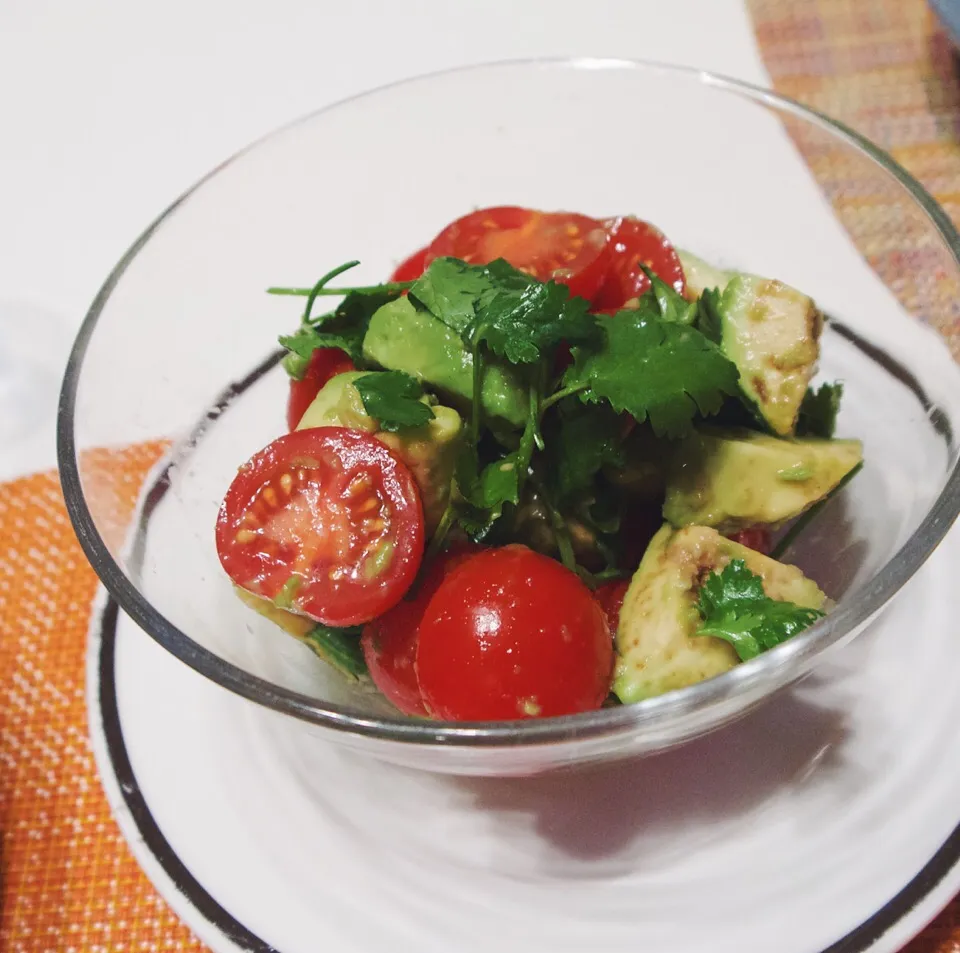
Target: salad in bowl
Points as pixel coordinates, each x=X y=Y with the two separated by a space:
x=551 y=464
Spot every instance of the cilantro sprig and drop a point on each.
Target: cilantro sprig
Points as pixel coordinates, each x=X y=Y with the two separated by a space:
x=734 y=607
x=819 y=410
x=654 y=369
x=394 y=399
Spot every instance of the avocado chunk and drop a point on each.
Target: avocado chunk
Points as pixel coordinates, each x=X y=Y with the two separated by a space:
x=700 y=275
x=772 y=333
x=401 y=337
x=736 y=478
x=430 y=451
x=658 y=650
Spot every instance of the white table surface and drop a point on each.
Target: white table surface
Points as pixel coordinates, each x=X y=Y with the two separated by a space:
x=110 y=108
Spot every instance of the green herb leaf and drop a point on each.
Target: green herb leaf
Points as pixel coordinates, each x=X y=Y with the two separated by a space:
x=588 y=438
x=735 y=608
x=484 y=493
x=818 y=411
x=656 y=370
x=520 y=318
x=516 y=316
x=339 y=648
x=393 y=398
x=450 y=290
x=670 y=305
x=343 y=327
x=709 y=314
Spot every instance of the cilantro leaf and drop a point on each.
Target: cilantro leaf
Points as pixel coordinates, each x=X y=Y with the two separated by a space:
x=709 y=320
x=520 y=318
x=818 y=411
x=670 y=304
x=339 y=648
x=735 y=608
x=344 y=327
x=393 y=398
x=516 y=316
x=656 y=370
x=588 y=438
x=306 y=340
x=449 y=289
x=484 y=493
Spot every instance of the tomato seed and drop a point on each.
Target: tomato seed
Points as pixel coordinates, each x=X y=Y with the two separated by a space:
x=246 y=536
x=286 y=483
x=270 y=495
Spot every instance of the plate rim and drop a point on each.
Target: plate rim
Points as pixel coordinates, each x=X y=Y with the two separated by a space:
x=898 y=921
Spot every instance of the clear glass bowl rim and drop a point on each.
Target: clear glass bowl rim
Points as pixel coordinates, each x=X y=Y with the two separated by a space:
x=782 y=665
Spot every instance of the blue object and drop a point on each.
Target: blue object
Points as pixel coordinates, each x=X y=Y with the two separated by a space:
x=948 y=12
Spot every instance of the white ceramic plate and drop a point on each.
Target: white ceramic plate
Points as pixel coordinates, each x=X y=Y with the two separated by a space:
x=826 y=821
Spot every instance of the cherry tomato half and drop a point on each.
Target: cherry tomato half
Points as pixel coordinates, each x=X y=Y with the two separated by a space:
x=513 y=634
x=570 y=248
x=390 y=642
x=410 y=269
x=753 y=537
x=325 y=362
x=610 y=596
x=326 y=522
x=632 y=243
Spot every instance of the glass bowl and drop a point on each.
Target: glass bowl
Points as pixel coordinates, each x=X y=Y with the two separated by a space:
x=179 y=345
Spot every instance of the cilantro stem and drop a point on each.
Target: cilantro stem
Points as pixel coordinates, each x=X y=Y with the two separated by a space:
x=536 y=389
x=560 y=394
x=342 y=292
x=561 y=534
x=477 y=388
x=440 y=533
x=788 y=538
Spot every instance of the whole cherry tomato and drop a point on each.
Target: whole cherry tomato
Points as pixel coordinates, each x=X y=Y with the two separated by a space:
x=390 y=642
x=513 y=634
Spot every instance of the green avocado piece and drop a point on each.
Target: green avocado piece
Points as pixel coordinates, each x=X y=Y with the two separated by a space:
x=657 y=649
x=700 y=275
x=737 y=478
x=401 y=337
x=772 y=333
x=430 y=451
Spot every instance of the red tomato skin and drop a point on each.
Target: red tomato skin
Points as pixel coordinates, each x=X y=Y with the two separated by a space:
x=568 y=247
x=512 y=634
x=632 y=242
x=325 y=362
x=389 y=642
x=410 y=269
x=753 y=537
x=318 y=531
x=610 y=596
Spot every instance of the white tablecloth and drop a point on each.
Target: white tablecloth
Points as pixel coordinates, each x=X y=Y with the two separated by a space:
x=110 y=108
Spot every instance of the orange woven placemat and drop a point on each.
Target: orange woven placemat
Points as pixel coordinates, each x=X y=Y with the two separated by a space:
x=886 y=69
x=69 y=881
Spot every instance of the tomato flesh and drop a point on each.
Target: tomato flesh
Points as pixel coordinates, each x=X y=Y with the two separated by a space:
x=325 y=522
x=754 y=537
x=610 y=596
x=410 y=269
x=569 y=248
x=513 y=634
x=634 y=243
x=390 y=642
x=325 y=362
